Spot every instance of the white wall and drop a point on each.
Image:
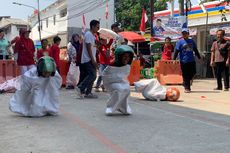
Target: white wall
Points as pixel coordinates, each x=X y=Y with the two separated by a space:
x=76 y=8
x=13 y=31
x=52 y=30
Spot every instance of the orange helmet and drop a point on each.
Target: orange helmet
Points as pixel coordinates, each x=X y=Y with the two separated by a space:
x=172 y=94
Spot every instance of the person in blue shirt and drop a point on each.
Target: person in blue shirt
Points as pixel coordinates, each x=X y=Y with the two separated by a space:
x=186 y=48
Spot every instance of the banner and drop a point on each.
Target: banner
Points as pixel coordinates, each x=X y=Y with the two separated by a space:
x=213 y=30
x=168 y=27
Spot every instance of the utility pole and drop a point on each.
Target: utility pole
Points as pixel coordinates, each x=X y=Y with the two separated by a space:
x=172 y=8
x=181 y=7
x=152 y=16
x=39 y=22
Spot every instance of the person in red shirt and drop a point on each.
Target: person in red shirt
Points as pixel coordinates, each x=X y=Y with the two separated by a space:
x=24 y=48
x=44 y=50
x=104 y=60
x=54 y=51
x=167 y=49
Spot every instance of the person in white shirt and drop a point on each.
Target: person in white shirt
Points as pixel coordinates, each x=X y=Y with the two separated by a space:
x=88 y=66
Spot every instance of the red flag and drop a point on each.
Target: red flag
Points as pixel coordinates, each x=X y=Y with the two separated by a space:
x=35 y=12
x=144 y=19
x=83 y=24
x=107 y=11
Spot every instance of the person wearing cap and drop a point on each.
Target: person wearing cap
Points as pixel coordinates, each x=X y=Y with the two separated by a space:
x=115 y=81
x=4 y=46
x=38 y=92
x=186 y=48
x=25 y=49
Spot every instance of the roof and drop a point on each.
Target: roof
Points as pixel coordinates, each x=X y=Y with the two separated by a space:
x=9 y=21
x=132 y=36
x=213 y=8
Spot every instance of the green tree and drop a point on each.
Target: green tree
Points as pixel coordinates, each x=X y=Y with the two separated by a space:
x=128 y=12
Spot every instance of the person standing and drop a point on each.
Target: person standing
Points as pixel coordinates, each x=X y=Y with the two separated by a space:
x=44 y=50
x=4 y=46
x=187 y=47
x=167 y=49
x=88 y=62
x=74 y=49
x=220 y=53
x=104 y=60
x=54 y=51
x=25 y=49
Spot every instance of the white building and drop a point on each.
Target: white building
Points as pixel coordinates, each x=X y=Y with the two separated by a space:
x=64 y=17
x=53 y=22
x=12 y=26
x=92 y=9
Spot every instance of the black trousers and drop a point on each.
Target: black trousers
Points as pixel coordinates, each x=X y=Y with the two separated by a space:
x=88 y=74
x=188 y=72
x=222 y=69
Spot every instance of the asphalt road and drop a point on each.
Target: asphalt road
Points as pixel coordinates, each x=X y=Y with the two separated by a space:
x=196 y=124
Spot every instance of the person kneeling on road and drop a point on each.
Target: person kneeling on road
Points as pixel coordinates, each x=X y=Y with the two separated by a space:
x=115 y=82
x=38 y=92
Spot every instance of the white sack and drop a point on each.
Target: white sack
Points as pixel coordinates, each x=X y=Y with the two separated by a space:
x=115 y=81
x=37 y=96
x=151 y=89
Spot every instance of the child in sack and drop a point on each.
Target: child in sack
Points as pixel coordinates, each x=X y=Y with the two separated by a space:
x=38 y=92
x=116 y=83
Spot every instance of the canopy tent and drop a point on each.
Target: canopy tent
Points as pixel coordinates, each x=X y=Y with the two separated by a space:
x=132 y=36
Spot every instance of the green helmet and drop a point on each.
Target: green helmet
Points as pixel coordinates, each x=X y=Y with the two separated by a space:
x=46 y=64
x=121 y=50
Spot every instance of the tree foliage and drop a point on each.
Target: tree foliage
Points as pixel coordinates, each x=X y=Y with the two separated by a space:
x=128 y=12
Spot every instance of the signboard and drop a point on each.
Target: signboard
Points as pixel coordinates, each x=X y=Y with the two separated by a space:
x=168 y=27
x=225 y=27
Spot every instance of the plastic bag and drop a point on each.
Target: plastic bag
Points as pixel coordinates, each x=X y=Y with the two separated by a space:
x=73 y=74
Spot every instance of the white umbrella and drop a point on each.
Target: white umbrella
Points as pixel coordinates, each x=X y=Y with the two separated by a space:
x=107 y=34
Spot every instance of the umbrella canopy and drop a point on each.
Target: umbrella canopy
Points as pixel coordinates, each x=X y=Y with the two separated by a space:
x=107 y=34
x=132 y=36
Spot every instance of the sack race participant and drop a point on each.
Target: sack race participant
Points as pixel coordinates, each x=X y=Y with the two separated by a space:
x=38 y=92
x=116 y=83
x=151 y=89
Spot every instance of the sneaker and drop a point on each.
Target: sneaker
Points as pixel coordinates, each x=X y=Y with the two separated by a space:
x=97 y=90
x=90 y=95
x=109 y=111
x=79 y=93
x=187 y=91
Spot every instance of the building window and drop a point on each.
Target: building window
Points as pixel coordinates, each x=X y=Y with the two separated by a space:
x=63 y=13
x=54 y=18
x=47 y=23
